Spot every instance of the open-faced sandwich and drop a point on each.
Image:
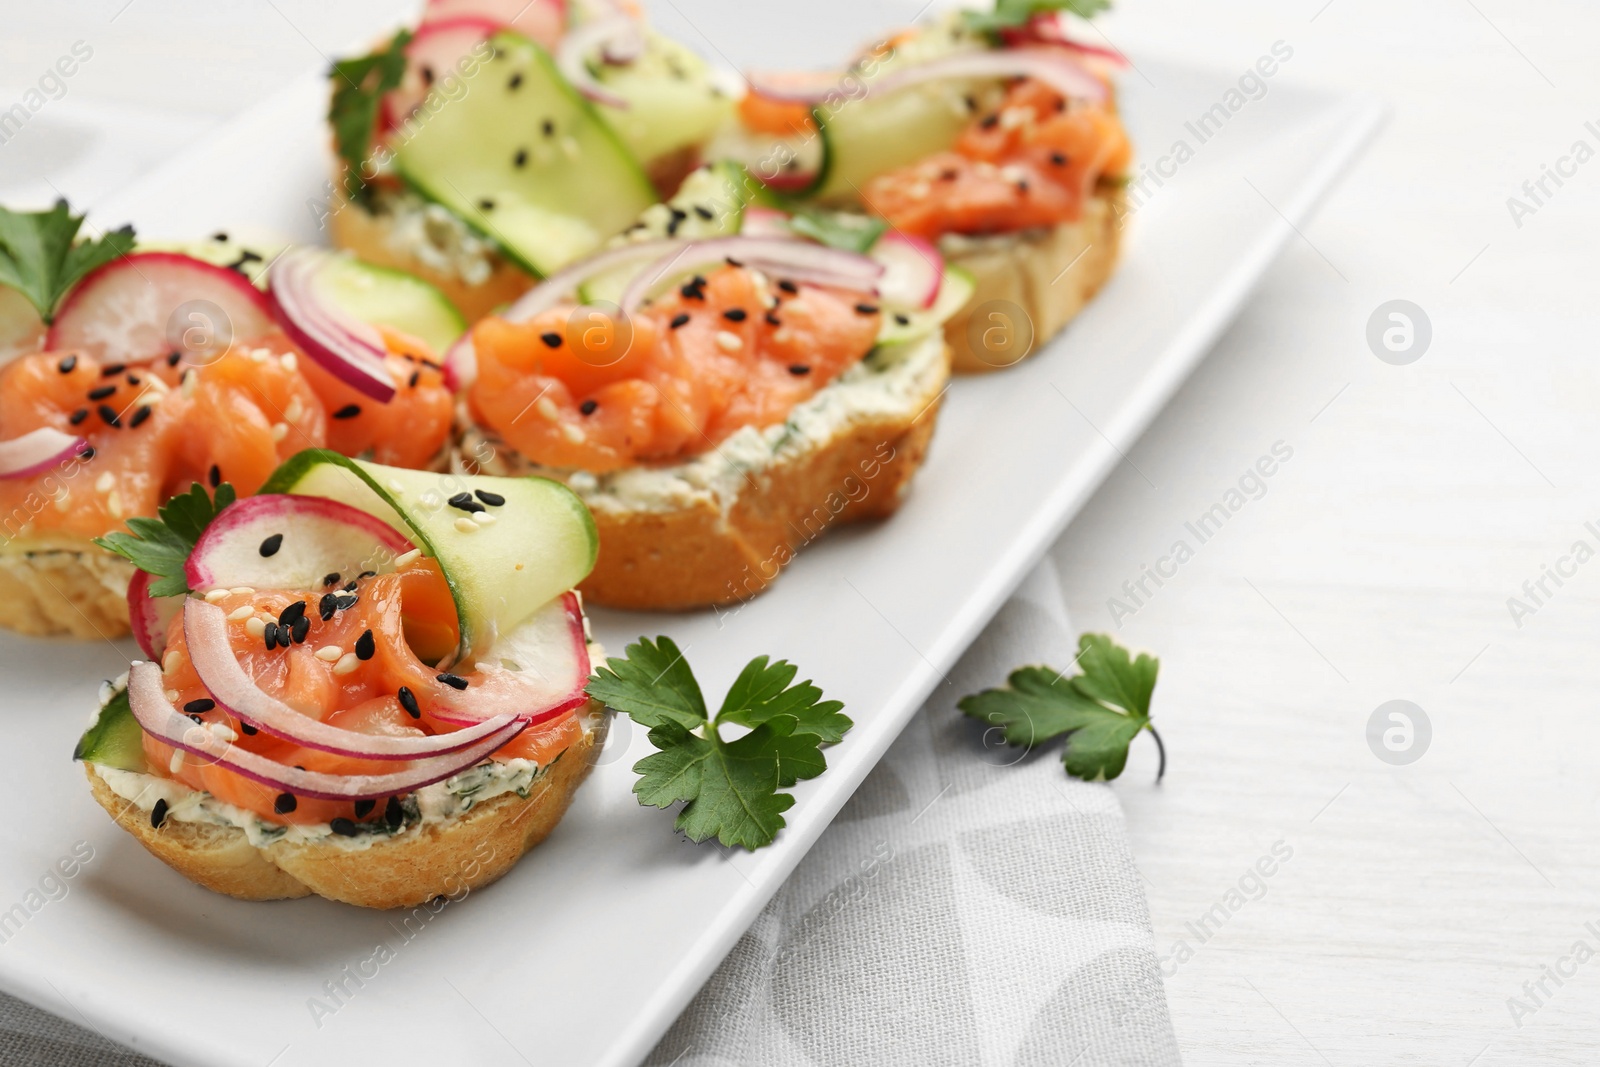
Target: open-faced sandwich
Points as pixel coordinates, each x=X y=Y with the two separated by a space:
x=718 y=403
x=365 y=683
x=503 y=139
x=133 y=374
x=993 y=135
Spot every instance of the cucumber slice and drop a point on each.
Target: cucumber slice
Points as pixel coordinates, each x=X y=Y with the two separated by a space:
x=673 y=99
x=542 y=543
x=115 y=739
x=710 y=203
x=392 y=298
x=575 y=184
x=958 y=287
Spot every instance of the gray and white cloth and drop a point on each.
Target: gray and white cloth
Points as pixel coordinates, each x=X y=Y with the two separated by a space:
x=969 y=906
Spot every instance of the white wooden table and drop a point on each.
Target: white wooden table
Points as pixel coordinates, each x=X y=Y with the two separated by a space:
x=1417 y=900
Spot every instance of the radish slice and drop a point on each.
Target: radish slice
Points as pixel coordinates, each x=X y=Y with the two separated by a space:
x=205 y=632
x=542 y=20
x=561 y=285
x=37 y=451
x=618 y=35
x=434 y=51
x=147 y=304
x=349 y=349
x=290 y=542
x=536 y=671
x=765 y=222
x=913 y=270
x=151 y=616
x=799 y=260
x=21 y=329
x=148 y=701
x=1052 y=66
x=460 y=364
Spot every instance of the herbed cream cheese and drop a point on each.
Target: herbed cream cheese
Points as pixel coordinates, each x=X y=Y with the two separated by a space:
x=892 y=381
x=435 y=236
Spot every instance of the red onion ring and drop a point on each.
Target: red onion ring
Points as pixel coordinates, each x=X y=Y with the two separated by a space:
x=36 y=451
x=800 y=260
x=560 y=285
x=564 y=614
x=347 y=348
x=599 y=36
x=147 y=699
x=1052 y=66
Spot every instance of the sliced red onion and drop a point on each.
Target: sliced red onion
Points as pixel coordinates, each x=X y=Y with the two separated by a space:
x=347 y=348
x=800 y=260
x=150 y=616
x=147 y=699
x=37 y=451
x=537 y=671
x=1052 y=66
x=913 y=270
x=561 y=285
x=602 y=35
x=460 y=364
x=205 y=631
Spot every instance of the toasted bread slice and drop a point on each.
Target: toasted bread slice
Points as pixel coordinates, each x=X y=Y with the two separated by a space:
x=433 y=858
x=64 y=588
x=718 y=528
x=1031 y=284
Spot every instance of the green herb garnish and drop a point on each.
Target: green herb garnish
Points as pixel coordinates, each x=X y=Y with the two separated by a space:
x=42 y=259
x=731 y=787
x=1099 y=711
x=1014 y=14
x=161 y=546
x=852 y=233
x=358 y=87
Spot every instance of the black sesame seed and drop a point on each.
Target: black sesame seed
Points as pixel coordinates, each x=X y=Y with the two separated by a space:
x=248 y=730
x=1061 y=105
x=367 y=574
x=364 y=807
x=1058 y=159
x=990 y=122
x=736 y=314
x=299 y=630
x=520 y=159
x=331 y=579
x=730 y=261
x=285 y=803
x=486 y=204
x=342 y=827
x=464 y=502
x=787 y=286
x=704 y=212
x=347 y=602
x=111 y=370
x=549 y=127
x=221 y=236
x=972 y=105
x=680 y=320
x=200 y=706
x=903 y=320
x=87 y=454
x=416 y=376
x=158 y=814
x=551 y=339
x=78 y=416
x=866 y=309
x=327 y=606
x=516 y=81
x=408 y=700
x=427 y=75
x=109 y=415
x=494 y=500
x=173 y=358
x=139 y=416
x=366 y=646
x=349 y=411
x=350 y=586
x=270 y=546
x=799 y=370
x=588 y=407
x=101 y=392
x=67 y=365
x=454 y=681
x=215 y=476
x=677 y=212
x=673 y=223
x=270 y=636
x=393 y=813
x=949 y=175
x=693 y=291
x=773 y=320
x=1022 y=187
x=294 y=611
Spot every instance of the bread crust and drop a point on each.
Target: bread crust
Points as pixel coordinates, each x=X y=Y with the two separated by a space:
x=1046 y=275
x=435 y=859
x=55 y=590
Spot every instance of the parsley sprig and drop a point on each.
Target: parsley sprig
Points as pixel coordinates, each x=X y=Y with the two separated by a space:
x=41 y=257
x=731 y=789
x=359 y=84
x=1014 y=14
x=161 y=546
x=1100 y=711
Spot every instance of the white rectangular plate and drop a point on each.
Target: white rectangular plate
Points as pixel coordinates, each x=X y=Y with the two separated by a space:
x=587 y=951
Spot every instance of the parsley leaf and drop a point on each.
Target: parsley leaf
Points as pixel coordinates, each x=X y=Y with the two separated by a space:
x=39 y=259
x=162 y=546
x=730 y=789
x=1099 y=711
x=1012 y=14
x=359 y=84
x=852 y=233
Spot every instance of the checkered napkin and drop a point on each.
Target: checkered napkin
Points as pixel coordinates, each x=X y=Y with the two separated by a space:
x=966 y=907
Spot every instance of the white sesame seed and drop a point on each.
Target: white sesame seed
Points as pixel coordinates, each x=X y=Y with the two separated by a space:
x=255 y=627
x=347 y=663
x=172 y=696
x=241 y=613
x=259 y=355
x=919 y=190
x=1014 y=117
x=189 y=383
x=243 y=590
x=214 y=595
x=114 y=503
x=63 y=500
x=569 y=145
x=222 y=732
x=329 y=653
x=280 y=430
x=729 y=342
x=465 y=525
x=171 y=661
x=395 y=487
x=408 y=558
x=175 y=764
x=571 y=432
x=295 y=409
x=105 y=483
x=547 y=408
x=290 y=362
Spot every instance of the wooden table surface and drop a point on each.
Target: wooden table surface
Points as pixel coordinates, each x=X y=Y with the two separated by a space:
x=1420 y=905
